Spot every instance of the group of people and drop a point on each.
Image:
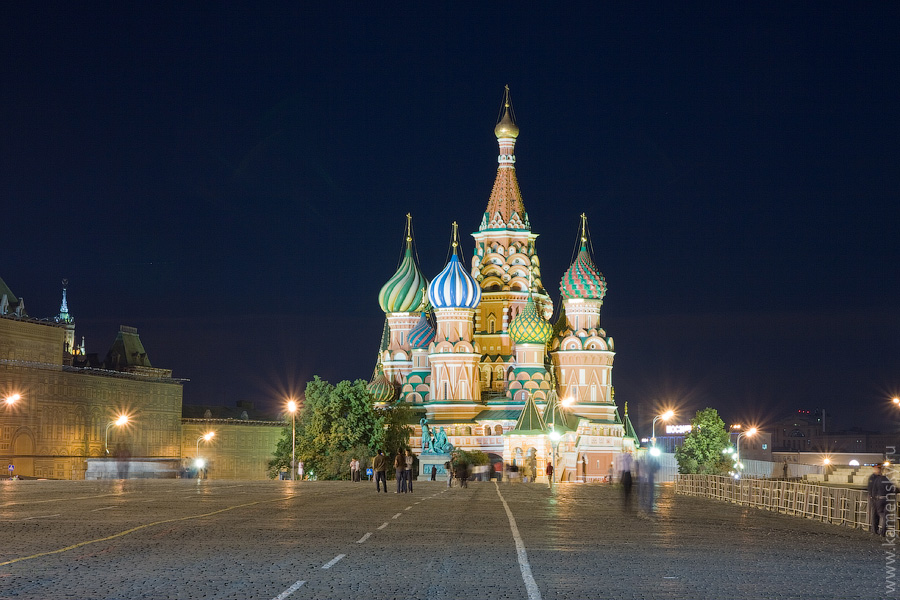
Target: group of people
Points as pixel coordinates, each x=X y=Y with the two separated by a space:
x=403 y=465
x=641 y=472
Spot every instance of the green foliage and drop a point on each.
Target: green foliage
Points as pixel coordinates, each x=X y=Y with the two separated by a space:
x=338 y=423
x=472 y=458
x=702 y=448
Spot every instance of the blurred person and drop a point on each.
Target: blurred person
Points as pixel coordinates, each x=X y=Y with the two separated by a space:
x=878 y=488
x=354 y=469
x=549 y=473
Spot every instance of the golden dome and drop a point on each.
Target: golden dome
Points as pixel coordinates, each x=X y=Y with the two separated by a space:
x=506 y=128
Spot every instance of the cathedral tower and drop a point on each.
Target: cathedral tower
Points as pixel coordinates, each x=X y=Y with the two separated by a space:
x=402 y=299
x=454 y=353
x=505 y=263
x=581 y=352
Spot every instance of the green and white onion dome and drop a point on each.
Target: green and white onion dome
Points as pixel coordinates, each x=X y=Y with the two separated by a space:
x=421 y=335
x=454 y=287
x=405 y=291
x=380 y=388
x=582 y=279
x=529 y=327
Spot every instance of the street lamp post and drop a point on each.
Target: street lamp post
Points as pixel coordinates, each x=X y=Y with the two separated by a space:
x=749 y=433
x=204 y=438
x=554 y=438
x=665 y=417
x=118 y=423
x=292 y=408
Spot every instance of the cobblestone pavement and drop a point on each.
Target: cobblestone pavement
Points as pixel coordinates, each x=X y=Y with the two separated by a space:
x=184 y=539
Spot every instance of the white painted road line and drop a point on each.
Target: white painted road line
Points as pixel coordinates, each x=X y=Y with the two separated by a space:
x=530 y=586
x=407 y=508
x=289 y=591
x=30 y=518
x=397 y=515
x=363 y=538
x=383 y=525
x=333 y=561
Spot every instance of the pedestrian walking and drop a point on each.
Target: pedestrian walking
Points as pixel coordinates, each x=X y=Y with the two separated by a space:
x=354 y=470
x=549 y=473
x=400 y=471
x=625 y=464
x=449 y=466
x=433 y=472
x=410 y=462
x=379 y=463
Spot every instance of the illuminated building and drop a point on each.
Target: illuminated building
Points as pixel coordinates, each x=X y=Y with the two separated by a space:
x=68 y=399
x=473 y=351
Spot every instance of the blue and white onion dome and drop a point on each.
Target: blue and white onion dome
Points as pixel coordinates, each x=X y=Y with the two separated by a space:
x=405 y=291
x=454 y=287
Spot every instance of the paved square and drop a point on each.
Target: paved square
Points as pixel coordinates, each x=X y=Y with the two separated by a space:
x=183 y=539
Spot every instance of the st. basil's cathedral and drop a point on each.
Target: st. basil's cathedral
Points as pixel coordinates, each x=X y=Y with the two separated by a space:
x=474 y=353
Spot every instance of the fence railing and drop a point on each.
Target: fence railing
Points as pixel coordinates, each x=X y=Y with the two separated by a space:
x=841 y=506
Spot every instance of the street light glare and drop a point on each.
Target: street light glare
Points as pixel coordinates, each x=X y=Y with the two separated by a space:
x=668 y=415
x=122 y=420
x=209 y=436
x=568 y=401
x=752 y=431
x=13 y=399
x=895 y=400
x=292 y=406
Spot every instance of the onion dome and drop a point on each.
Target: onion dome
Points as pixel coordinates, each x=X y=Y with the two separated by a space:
x=454 y=287
x=529 y=326
x=421 y=335
x=380 y=388
x=582 y=279
x=405 y=291
x=506 y=127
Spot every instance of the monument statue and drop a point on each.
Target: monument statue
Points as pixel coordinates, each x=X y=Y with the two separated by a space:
x=426 y=437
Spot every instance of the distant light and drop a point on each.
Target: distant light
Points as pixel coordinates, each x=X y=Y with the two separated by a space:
x=896 y=400
x=751 y=431
x=292 y=406
x=199 y=463
x=854 y=463
x=826 y=461
x=655 y=451
x=667 y=415
x=568 y=401
x=122 y=420
x=209 y=436
x=13 y=399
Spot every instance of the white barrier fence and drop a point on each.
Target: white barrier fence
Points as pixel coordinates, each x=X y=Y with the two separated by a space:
x=841 y=506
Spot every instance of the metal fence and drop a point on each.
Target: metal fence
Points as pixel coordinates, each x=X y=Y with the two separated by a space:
x=841 y=506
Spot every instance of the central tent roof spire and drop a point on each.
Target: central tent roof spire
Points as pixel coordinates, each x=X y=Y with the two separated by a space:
x=505 y=209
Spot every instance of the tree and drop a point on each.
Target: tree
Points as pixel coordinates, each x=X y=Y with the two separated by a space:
x=338 y=423
x=702 y=448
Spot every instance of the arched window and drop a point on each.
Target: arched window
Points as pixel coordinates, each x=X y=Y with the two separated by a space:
x=498 y=430
x=468 y=431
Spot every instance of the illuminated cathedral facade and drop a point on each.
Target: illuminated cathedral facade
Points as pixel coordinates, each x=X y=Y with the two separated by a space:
x=473 y=350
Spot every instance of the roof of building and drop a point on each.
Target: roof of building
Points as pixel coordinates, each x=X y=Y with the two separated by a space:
x=127 y=350
x=498 y=414
x=405 y=290
x=242 y=411
x=530 y=421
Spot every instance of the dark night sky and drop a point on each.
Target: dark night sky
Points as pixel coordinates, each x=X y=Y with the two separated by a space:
x=233 y=180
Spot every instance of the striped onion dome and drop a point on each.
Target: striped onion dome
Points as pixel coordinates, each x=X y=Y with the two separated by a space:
x=380 y=388
x=454 y=287
x=529 y=326
x=405 y=291
x=421 y=335
x=582 y=279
